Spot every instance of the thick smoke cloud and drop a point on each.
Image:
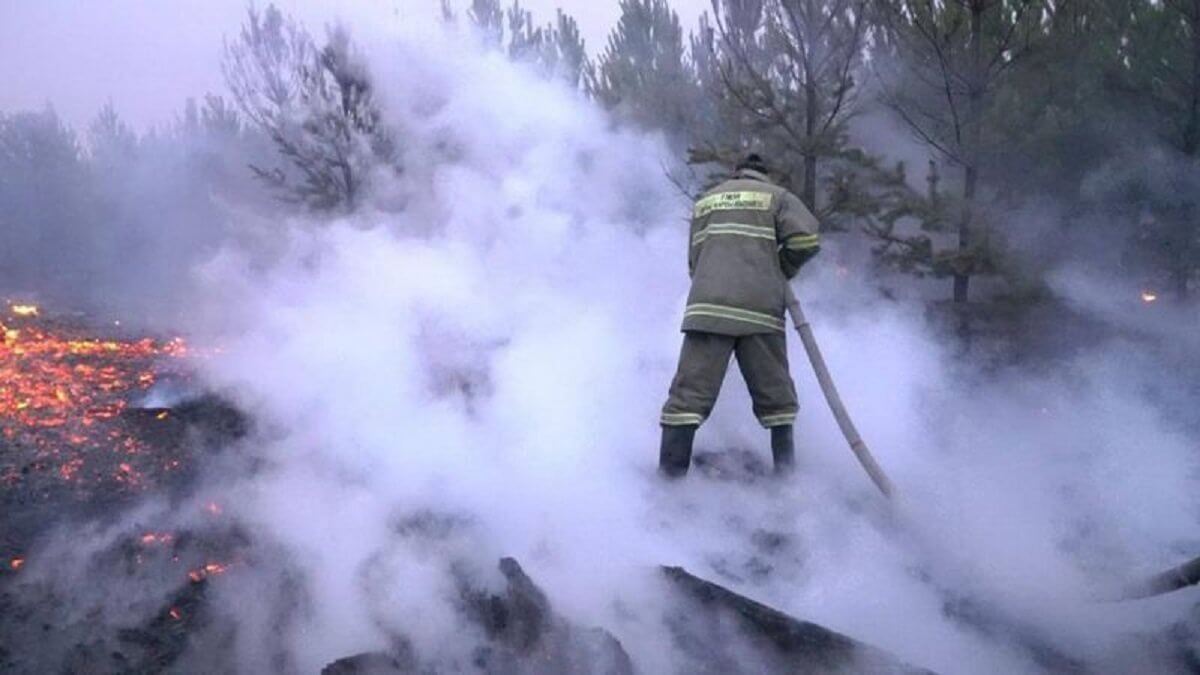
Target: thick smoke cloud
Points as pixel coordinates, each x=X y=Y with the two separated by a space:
x=485 y=346
x=496 y=350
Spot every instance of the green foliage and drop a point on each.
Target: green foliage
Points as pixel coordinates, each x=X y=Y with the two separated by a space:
x=154 y=201
x=793 y=66
x=45 y=189
x=1163 y=66
x=1090 y=106
x=1163 y=56
x=1106 y=122
x=1016 y=101
x=556 y=48
x=315 y=103
x=643 y=74
x=112 y=141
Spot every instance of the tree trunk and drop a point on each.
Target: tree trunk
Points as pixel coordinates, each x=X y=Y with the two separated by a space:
x=1191 y=130
x=933 y=178
x=810 y=133
x=1191 y=144
x=962 y=279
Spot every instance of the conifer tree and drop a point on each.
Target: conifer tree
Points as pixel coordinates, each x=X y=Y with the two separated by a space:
x=946 y=62
x=315 y=103
x=643 y=74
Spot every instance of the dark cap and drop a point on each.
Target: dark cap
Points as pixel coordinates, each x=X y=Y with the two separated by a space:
x=754 y=162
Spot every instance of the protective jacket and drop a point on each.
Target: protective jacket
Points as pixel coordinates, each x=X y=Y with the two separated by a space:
x=748 y=236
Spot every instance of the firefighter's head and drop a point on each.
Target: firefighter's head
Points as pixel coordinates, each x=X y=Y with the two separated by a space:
x=754 y=162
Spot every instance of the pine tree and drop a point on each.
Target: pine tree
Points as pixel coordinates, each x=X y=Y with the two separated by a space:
x=46 y=219
x=556 y=48
x=316 y=104
x=643 y=74
x=943 y=63
x=1164 y=67
x=793 y=66
x=111 y=141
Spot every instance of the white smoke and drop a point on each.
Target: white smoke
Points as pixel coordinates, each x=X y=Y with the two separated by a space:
x=495 y=341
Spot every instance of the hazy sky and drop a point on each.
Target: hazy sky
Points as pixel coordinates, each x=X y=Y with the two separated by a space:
x=148 y=56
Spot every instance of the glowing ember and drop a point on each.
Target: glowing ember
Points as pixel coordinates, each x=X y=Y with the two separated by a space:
x=175 y=614
x=1149 y=296
x=63 y=392
x=16 y=564
x=153 y=538
x=70 y=468
x=211 y=569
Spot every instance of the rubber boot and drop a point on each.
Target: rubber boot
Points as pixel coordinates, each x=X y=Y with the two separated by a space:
x=782 y=449
x=675 y=454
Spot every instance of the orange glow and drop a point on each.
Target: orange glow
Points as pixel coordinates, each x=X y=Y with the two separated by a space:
x=1149 y=296
x=210 y=569
x=70 y=468
x=16 y=564
x=153 y=538
x=62 y=392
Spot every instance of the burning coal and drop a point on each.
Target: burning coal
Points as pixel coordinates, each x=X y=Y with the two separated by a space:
x=65 y=389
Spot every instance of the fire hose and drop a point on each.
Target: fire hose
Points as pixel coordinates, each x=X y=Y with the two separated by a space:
x=1187 y=574
x=829 y=389
x=1176 y=578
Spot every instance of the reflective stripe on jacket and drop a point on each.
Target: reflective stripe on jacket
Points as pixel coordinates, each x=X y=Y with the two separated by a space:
x=748 y=236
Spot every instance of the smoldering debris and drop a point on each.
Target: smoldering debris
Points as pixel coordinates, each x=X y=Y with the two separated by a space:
x=62 y=617
x=78 y=458
x=133 y=589
x=521 y=633
x=717 y=630
x=714 y=625
x=74 y=441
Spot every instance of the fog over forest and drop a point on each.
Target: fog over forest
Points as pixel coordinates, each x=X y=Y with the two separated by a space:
x=429 y=262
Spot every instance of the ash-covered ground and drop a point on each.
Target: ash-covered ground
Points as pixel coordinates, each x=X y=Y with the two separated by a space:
x=121 y=555
x=96 y=422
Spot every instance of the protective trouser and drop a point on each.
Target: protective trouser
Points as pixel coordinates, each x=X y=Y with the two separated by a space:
x=762 y=358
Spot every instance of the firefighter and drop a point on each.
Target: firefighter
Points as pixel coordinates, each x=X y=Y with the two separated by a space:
x=748 y=237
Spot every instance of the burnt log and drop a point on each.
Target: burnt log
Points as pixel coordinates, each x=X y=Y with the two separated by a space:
x=371 y=663
x=722 y=631
x=528 y=638
x=523 y=636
